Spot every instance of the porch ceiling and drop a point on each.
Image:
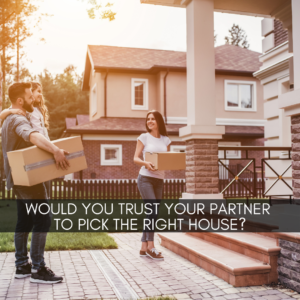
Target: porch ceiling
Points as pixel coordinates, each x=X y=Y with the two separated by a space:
x=264 y=8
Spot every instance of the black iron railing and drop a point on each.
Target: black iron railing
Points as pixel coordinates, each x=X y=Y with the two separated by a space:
x=253 y=185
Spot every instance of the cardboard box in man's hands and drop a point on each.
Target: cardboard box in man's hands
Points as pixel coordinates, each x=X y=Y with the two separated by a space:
x=166 y=160
x=30 y=166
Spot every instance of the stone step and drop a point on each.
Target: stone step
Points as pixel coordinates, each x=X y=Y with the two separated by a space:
x=256 y=246
x=235 y=268
x=250 y=244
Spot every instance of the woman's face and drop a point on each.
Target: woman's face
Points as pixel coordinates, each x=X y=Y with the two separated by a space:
x=151 y=122
x=37 y=95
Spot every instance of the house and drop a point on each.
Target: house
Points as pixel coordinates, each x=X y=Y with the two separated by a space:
x=125 y=83
x=274 y=75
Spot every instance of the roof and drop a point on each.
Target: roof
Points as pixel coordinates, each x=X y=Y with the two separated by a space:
x=228 y=58
x=117 y=126
x=70 y=122
x=137 y=126
x=81 y=119
x=261 y=8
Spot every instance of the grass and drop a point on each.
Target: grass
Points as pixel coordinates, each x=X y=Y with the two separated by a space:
x=64 y=241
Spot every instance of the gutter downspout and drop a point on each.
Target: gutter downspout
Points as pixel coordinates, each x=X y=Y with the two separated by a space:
x=105 y=94
x=165 y=97
x=81 y=172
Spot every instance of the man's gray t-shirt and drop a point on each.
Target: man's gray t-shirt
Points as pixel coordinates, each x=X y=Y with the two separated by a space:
x=16 y=130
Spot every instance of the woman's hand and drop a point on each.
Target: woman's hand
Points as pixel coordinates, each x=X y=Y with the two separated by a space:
x=149 y=166
x=16 y=111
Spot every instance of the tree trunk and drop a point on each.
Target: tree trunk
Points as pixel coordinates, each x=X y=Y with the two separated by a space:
x=3 y=60
x=18 y=44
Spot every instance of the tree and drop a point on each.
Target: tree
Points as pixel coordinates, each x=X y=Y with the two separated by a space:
x=7 y=41
x=103 y=11
x=64 y=98
x=15 y=16
x=237 y=37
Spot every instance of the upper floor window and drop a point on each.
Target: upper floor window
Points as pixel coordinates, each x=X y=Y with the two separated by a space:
x=139 y=94
x=94 y=100
x=240 y=95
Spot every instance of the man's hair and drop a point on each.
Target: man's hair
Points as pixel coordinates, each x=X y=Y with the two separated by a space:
x=17 y=90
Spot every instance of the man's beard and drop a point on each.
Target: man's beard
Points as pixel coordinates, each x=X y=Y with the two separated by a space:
x=28 y=107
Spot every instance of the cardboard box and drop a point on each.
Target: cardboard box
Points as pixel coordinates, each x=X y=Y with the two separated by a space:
x=33 y=165
x=167 y=160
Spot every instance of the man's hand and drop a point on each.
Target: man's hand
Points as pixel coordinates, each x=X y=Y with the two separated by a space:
x=61 y=160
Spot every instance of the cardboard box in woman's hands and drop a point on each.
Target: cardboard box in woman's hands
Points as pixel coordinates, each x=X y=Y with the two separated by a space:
x=167 y=160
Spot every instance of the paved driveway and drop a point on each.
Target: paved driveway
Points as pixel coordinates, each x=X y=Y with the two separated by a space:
x=112 y=274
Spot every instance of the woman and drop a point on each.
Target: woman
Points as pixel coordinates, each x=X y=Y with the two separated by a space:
x=150 y=181
x=38 y=118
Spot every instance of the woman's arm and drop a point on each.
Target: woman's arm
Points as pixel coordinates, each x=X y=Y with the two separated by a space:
x=169 y=147
x=6 y=112
x=138 y=153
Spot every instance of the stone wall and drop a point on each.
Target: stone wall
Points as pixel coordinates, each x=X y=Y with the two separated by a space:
x=202 y=170
x=295 y=120
x=289 y=265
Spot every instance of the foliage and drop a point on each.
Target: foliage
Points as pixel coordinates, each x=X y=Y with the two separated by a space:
x=16 y=19
x=64 y=98
x=238 y=37
x=64 y=241
x=103 y=12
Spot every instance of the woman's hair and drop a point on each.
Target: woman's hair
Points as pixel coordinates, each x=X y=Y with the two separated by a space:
x=159 y=120
x=41 y=106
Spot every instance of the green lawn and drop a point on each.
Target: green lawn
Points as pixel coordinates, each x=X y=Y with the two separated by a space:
x=65 y=241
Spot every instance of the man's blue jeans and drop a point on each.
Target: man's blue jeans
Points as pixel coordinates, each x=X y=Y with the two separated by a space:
x=151 y=190
x=38 y=223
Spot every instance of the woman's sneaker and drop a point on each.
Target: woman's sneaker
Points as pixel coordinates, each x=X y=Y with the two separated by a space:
x=154 y=254
x=45 y=275
x=143 y=253
x=23 y=271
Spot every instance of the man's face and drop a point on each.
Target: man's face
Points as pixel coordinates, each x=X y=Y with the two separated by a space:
x=28 y=100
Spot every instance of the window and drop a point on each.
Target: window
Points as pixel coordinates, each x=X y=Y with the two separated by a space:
x=230 y=153
x=240 y=95
x=94 y=100
x=178 y=148
x=139 y=94
x=111 y=155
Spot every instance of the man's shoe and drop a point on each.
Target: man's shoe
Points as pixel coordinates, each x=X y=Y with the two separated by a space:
x=23 y=271
x=154 y=254
x=45 y=275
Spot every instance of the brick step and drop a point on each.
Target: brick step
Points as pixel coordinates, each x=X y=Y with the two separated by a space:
x=235 y=268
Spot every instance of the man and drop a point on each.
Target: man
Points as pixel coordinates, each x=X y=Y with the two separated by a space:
x=17 y=133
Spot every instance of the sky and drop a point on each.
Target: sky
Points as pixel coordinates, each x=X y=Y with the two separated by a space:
x=69 y=30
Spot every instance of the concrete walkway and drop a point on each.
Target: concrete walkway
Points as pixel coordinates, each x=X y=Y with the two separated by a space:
x=175 y=276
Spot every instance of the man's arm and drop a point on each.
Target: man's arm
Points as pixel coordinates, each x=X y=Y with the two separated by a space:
x=23 y=129
x=59 y=154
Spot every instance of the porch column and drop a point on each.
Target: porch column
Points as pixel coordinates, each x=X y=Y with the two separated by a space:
x=201 y=133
